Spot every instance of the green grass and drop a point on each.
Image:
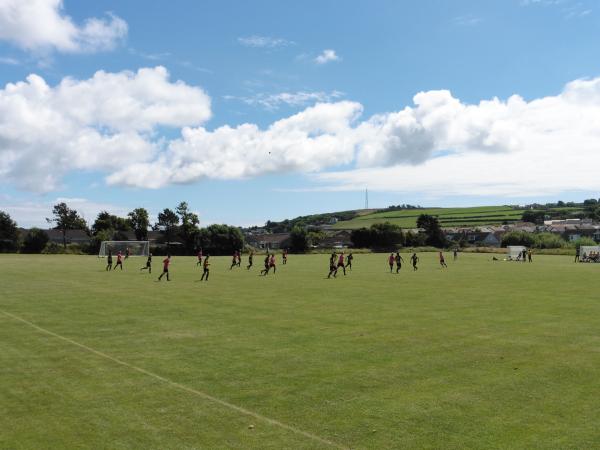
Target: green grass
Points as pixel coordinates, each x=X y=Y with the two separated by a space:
x=448 y=217
x=481 y=355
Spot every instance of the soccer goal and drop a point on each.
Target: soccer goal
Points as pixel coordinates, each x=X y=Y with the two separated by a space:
x=136 y=248
x=515 y=252
x=589 y=253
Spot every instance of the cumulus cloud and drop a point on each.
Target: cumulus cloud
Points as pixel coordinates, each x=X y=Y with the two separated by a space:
x=41 y=25
x=294 y=99
x=438 y=145
x=101 y=123
x=328 y=55
x=263 y=41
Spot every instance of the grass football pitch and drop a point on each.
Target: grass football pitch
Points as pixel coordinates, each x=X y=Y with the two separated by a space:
x=480 y=355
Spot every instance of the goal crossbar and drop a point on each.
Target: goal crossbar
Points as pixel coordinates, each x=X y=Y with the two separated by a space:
x=127 y=248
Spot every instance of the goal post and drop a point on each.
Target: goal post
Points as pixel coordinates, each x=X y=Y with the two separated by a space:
x=514 y=252
x=136 y=248
x=589 y=253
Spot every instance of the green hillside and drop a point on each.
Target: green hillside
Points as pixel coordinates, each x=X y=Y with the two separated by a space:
x=448 y=217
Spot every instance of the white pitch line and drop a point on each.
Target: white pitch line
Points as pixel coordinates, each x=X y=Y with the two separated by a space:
x=204 y=395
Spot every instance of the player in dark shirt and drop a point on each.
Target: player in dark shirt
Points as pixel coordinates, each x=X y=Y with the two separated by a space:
x=414 y=259
x=148 y=264
x=109 y=261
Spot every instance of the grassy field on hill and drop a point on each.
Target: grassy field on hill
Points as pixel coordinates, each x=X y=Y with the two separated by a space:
x=448 y=217
x=484 y=354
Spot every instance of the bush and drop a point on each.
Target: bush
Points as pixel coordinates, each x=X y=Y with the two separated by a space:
x=518 y=238
x=35 y=241
x=582 y=241
x=549 y=240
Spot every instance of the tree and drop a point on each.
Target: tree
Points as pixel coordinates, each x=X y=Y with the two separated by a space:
x=386 y=235
x=66 y=219
x=299 y=240
x=536 y=217
x=431 y=225
x=167 y=222
x=361 y=238
x=140 y=223
x=518 y=238
x=9 y=234
x=220 y=239
x=35 y=241
x=189 y=226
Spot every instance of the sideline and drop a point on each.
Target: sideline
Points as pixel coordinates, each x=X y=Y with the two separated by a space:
x=182 y=387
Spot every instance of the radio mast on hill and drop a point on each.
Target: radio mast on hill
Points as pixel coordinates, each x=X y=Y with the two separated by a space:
x=366 y=198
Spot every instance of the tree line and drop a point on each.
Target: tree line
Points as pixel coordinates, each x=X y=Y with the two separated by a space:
x=180 y=232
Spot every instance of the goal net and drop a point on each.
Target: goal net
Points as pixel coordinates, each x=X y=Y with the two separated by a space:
x=136 y=248
x=589 y=253
x=515 y=252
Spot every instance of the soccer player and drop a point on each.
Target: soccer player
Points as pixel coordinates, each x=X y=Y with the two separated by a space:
x=234 y=260
x=349 y=259
x=414 y=259
x=199 y=257
x=206 y=268
x=341 y=263
x=267 y=261
x=127 y=253
x=399 y=262
x=250 y=258
x=524 y=256
x=391 y=260
x=109 y=261
x=577 y=252
x=119 y=261
x=239 y=258
x=455 y=253
x=272 y=263
x=442 y=260
x=166 y=263
x=284 y=257
x=332 y=267
x=148 y=264
x=529 y=255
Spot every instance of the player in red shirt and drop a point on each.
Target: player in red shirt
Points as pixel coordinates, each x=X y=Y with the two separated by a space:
x=166 y=263
x=341 y=263
x=199 y=263
x=119 y=261
x=239 y=258
x=391 y=261
x=272 y=263
x=234 y=260
x=442 y=260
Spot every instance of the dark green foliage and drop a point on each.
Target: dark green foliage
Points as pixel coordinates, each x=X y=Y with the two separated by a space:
x=9 y=234
x=380 y=235
x=220 y=239
x=138 y=218
x=433 y=231
x=188 y=230
x=532 y=216
x=518 y=238
x=299 y=241
x=287 y=225
x=35 y=241
x=167 y=223
x=66 y=219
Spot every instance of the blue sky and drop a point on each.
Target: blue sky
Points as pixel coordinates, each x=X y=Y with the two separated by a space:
x=344 y=125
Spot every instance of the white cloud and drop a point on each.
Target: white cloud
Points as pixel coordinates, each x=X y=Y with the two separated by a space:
x=328 y=55
x=317 y=137
x=438 y=146
x=264 y=41
x=29 y=214
x=41 y=25
x=101 y=123
x=294 y=99
x=9 y=61
x=467 y=20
